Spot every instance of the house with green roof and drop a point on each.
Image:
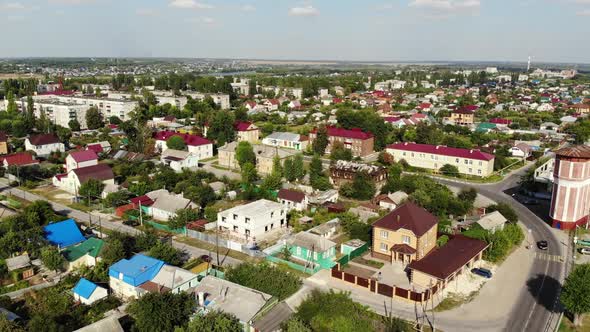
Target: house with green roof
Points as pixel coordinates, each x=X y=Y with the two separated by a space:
x=86 y=253
x=486 y=127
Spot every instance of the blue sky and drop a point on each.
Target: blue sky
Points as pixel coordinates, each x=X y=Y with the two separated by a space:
x=369 y=30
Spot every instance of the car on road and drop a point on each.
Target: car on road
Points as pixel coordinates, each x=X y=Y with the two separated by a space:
x=585 y=251
x=480 y=271
x=206 y=258
x=542 y=245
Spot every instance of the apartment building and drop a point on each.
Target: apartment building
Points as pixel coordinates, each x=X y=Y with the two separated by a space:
x=469 y=162
x=253 y=219
x=107 y=106
x=344 y=171
x=360 y=143
x=61 y=112
x=220 y=99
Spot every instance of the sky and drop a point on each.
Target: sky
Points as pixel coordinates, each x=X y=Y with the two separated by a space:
x=356 y=30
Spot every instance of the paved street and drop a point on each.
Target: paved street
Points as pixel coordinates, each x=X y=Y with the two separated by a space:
x=85 y=218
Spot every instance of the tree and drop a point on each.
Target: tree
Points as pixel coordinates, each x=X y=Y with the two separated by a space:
x=448 y=169
x=249 y=174
x=339 y=152
x=214 y=321
x=167 y=253
x=385 y=158
x=320 y=143
x=74 y=125
x=161 y=311
x=289 y=170
x=575 y=294
x=468 y=195
x=114 y=251
x=91 y=189
x=146 y=240
x=30 y=115
x=506 y=210
x=241 y=114
x=298 y=167
x=265 y=278
x=362 y=187
x=114 y=120
x=64 y=134
x=317 y=178
x=245 y=154
x=221 y=128
x=94 y=118
x=175 y=143
x=117 y=199
x=11 y=107
x=276 y=165
x=295 y=325
x=51 y=258
x=183 y=217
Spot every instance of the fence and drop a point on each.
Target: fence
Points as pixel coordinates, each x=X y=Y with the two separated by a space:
x=383 y=289
x=353 y=254
x=162 y=227
x=295 y=266
x=214 y=239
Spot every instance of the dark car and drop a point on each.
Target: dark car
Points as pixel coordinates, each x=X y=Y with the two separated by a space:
x=530 y=201
x=206 y=258
x=542 y=245
x=482 y=272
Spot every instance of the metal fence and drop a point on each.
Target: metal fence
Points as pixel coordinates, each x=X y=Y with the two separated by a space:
x=353 y=254
x=214 y=239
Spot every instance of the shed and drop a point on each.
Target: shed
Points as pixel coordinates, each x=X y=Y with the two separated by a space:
x=492 y=221
x=88 y=292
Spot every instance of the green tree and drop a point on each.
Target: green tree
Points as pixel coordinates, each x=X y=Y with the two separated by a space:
x=448 y=169
x=214 y=321
x=221 y=128
x=265 y=278
x=317 y=178
x=64 y=134
x=91 y=189
x=113 y=251
x=339 y=152
x=74 y=125
x=175 y=143
x=11 y=108
x=94 y=118
x=272 y=181
x=276 y=165
x=241 y=114
x=506 y=210
x=146 y=240
x=161 y=311
x=295 y=325
x=245 y=154
x=167 y=253
x=298 y=167
x=289 y=170
x=575 y=294
x=362 y=187
x=183 y=217
x=51 y=258
x=320 y=143
x=249 y=174
x=30 y=115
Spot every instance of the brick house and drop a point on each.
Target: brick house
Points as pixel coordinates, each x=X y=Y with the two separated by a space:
x=344 y=171
x=359 y=142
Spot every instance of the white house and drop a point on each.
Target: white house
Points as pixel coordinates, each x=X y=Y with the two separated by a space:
x=79 y=159
x=199 y=146
x=72 y=180
x=88 y=292
x=166 y=204
x=177 y=160
x=293 y=200
x=286 y=140
x=493 y=221
x=391 y=201
x=253 y=219
x=521 y=150
x=43 y=145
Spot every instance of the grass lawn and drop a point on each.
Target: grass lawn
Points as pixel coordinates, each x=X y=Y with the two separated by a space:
x=369 y=262
x=454 y=300
x=568 y=326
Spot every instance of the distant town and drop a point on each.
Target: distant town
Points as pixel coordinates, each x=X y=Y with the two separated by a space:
x=257 y=195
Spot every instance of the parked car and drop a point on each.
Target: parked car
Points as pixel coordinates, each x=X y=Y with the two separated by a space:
x=206 y=258
x=585 y=251
x=542 y=245
x=530 y=201
x=482 y=272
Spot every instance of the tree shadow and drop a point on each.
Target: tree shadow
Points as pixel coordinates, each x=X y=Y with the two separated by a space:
x=541 y=209
x=544 y=289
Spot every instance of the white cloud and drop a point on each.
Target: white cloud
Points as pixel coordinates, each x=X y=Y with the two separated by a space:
x=446 y=5
x=190 y=4
x=12 y=6
x=585 y=12
x=248 y=8
x=308 y=10
x=146 y=12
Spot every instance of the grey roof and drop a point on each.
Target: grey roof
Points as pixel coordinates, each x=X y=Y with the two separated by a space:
x=245 y=303
x=326 y=227
x=284 y=136
x=110 y=324
x=492 y=220
x=176 y=154
x=18 y=262
x=311 y=241
x=172 y=276
x=398 y=197
x=169 y=202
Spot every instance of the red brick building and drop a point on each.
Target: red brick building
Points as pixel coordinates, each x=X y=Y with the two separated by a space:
x=359 y=142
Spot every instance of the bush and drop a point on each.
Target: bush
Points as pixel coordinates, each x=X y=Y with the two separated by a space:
x=265 y=278
x=449 y=169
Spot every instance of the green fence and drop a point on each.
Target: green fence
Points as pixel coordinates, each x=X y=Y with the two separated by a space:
x=162 y=227
x=353 y=254
x=292 y=265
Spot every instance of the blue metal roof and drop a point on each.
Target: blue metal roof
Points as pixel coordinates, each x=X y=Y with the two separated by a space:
x=137 y=270
x=63 y=233
x=84 y=288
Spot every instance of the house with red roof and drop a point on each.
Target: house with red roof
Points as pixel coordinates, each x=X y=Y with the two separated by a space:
x=99 y=147
x=293 y=200
x=73 y=179
x=79 y=159
x=500 y=121
x=468 y=161
x=271 y=104
x=247 y=131
x=200 y=147
x=464 y=116
x=425 y=107
x=44 y=144
x=18 y=159
x=359 y=142
x=250 y=105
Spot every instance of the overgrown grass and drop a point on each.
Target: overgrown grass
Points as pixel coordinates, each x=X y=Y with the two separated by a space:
x=568 y=326
x=454 y=300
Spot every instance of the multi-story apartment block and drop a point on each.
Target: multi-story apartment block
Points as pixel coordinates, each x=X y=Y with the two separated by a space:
x=241 y=86
x=570 y=203
x=360 y=143
x=61 y=112
x=253 y=219
x=107 y=106
x=468 y=162
x=220 y=99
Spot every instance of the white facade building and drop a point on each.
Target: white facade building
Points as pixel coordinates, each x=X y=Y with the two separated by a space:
x=253 y=219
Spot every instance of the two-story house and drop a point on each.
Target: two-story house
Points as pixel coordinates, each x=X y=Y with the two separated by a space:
x=286 y=140
x=344 y=171
x=293 y=200
x=200 y=147
x=406 y=234
x=80 y=159
x=247 y=131
x=360 y=143
x=464 y=116
x=253 y=219
x=43 y=145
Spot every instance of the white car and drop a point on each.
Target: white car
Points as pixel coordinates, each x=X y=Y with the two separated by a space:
x=585 y=251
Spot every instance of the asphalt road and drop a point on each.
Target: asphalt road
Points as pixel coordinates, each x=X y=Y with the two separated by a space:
x=85 y=218
x=536 y=308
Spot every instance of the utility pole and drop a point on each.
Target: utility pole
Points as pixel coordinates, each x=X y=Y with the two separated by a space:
x=140 y=214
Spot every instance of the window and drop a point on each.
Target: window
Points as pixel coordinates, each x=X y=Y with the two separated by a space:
x=247 y=220
x=466 y=161
x=383 y=247
x=479 y=171
x=235 y=216
x=457 y=160
x=480 y=163
x=272 y=214
x=384 y=234
x=405 y=239
x=471 y=170
x=223 y=219
x=235 y=228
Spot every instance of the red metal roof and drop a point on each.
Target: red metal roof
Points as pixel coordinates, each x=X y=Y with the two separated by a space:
x=99 y=172
x=242 y=125
x=145 y=200
x=408 y=216
x=43 y=139
x=82 y=156
x=19 y=159
x=442 y=150
x=500 y=121
x=192 y=140
x=291 y=195
x=348 y=133
x=97 y=148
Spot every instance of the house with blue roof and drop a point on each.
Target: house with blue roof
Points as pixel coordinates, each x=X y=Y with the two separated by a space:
x=131 y=278
x=88 y=292
x=63 y=233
